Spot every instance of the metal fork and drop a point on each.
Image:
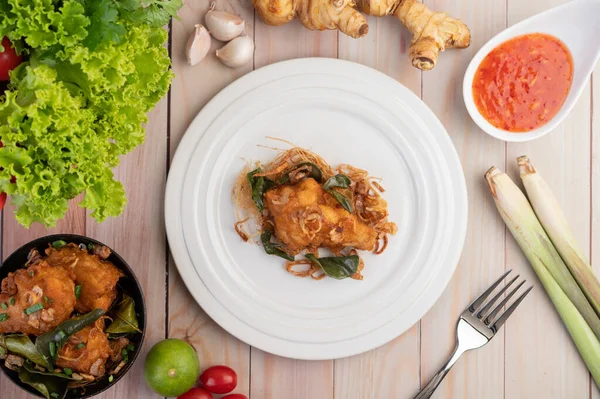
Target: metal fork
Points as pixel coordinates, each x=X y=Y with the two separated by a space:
x=477 y=325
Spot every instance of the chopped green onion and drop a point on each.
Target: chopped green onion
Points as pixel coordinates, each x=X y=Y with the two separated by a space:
x=80 y=345
x=110 y=378
x=55 y=395
x=3 y=317
x=61 y=334
x=131 y=347
x=51 y=300
x=4 y=305
x=11 y=301
x=34 y=308
x=45 y=299
x=31 y=273
x=52 y=348
x=59 y=244
x=77 y=291
x=125 y=355
x=68 y=371
x=91 y=246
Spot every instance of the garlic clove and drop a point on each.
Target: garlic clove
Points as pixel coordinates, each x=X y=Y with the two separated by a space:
x=198 y=45
x=237 y=52
x=222 y=25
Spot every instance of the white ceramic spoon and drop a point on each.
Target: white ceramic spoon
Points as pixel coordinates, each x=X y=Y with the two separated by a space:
x=577 y=24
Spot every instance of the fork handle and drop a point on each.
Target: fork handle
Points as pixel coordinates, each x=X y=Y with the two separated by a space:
x=432 y=385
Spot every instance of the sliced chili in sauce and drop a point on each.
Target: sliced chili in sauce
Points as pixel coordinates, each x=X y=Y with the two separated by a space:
x=521 y=84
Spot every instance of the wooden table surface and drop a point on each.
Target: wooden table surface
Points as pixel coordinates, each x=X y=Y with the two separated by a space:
x=532 y=357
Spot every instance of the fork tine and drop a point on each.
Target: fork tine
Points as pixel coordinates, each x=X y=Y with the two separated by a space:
x=492 y=315
x=481 y=298
x=484 y=310
x=504 y=316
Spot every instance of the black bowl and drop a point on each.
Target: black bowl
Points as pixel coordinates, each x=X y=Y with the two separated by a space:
x=129 y=284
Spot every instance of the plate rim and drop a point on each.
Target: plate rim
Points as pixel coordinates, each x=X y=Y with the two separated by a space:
x=174 y=232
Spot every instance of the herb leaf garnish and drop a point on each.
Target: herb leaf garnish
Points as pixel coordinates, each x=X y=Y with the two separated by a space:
x=272 y=248
x=260 y=185
x=338 y=267
x=339 y=181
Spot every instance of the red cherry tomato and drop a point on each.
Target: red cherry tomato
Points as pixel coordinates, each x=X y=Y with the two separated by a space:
x=219 y=379
x=9 y=59
x=2 y=200
x=234 y=396
x=196 y=393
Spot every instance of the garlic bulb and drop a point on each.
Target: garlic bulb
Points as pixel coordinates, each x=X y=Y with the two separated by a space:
x=198 y=45
x=223 y=25
x=237 y=52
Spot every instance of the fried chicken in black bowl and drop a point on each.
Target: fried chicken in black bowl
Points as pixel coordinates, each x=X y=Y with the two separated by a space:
x=72 y=317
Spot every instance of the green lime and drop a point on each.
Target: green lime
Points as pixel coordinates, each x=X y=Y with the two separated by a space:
x=171 y=367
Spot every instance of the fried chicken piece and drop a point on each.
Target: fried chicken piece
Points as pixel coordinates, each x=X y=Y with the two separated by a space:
x=308 y=217
x=51 y=287
x=97 y=278
x=89 y=358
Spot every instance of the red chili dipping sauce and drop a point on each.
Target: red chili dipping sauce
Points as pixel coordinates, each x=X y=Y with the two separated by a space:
x=521 y=84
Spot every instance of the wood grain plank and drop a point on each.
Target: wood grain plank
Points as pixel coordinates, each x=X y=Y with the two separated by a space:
x=192 y=88
x=595 y=189
x=279 y=43
x=479 y=374
x=390 y=371
x=539 y=353
x=138 y=236
x=272 y=376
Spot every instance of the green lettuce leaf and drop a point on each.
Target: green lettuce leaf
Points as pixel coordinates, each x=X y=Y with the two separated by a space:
x=41 y=23
x=77 y=105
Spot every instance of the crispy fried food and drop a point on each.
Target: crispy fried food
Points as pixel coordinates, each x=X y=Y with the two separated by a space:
x=306 y=216
x=116 y=347
x=97 y=278
x=91 y=357
x=51 y=287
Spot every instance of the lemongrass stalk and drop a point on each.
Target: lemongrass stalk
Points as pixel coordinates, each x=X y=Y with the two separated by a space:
x=582 y=335
x=534 y=242
x=555 y=224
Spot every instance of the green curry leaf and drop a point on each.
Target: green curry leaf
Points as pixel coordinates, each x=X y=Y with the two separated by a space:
x=272 y=248
x=345 y=202
x=339 y=181
x=338 y=267
x=260 y=185
x=30 y=367
x=125 y=319
x=49 y=386
x=20 y=344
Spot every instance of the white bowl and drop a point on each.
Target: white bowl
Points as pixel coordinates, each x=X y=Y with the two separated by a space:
x=575 y=24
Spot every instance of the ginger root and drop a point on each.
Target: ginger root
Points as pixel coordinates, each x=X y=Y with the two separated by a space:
x=314 y=14
x=432 y=31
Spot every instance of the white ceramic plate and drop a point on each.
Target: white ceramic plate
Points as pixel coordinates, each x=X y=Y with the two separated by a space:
x=347 y=113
